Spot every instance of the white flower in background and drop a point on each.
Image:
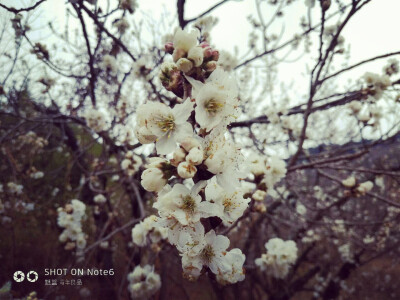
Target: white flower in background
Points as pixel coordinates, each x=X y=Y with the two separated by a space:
x=280 y=256
x=349 y=182
x=212 y=251
x=216 y=99
x=158 y=122
x=205 y=24
x=275 y=171
x=235 y=258
x=301 y=209
x=309 y=3
x=223 y=159
x=131 y=163
x=37 y=175
x=227 y=61
x=378 y=82
x=148 y=228
x=99 y=199
x=129 y=5
x=355 y=106
x=15 y=188
x=143 y=282
x=70 y=218
x=259 y=195
x=345 y=253
x=231 y=203
x=392 y=67
x=156 y=175
x=185 y=205
x=122 y=25
x=364 y=187
x=96 y=120
x=109 y=63
x=257 y=165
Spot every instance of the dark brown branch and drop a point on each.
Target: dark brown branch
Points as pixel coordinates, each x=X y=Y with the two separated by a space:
x=15 y=11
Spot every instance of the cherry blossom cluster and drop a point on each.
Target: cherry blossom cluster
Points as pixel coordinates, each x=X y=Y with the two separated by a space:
x=280 y=256
x=70 y=218
x=197 y=172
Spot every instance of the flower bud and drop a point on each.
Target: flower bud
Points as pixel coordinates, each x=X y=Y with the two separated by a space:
x=184 y=65
x=211 y=66
x=195 y=156
x=189 y=142
x=349 y=182
x=259 y=195
x=153 y=180
x=326 y=4
x=204 y=45
x=169 y=48
x=178 y=157
x=207 y=53
x=186 y=170
x=196 y=55
x=177 y=54
x=364 y=187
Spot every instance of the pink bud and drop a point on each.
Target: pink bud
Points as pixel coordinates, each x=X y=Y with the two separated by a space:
x=207 y=52
x=204 y=45
x=215 y=55
x=169 y=47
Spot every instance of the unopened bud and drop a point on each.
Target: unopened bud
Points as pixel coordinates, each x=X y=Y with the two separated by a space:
x=195 y=156
x=215 y=55
x=349 y=182
x=178 y=157
x=189 y=142
x=211 y=66
x=184 y=65
x=207 y=53
x=196 y=55
x=326 y=4
x=186 y=170
x=169 y=48
x=204 y=45
x=177 y=54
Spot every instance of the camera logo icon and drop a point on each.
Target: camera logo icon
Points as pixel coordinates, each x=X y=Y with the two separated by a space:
x=32 y=276
x=19 y=276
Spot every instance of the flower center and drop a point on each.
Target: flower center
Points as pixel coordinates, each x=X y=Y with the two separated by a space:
x=189 y=204
x=208 y=253
x=212 y=106
x=166 y=123
x=227 y=204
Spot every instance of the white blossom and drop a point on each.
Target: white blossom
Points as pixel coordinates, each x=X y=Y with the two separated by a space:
x=231 y=203
x=156 y=122
x=216 y=99
x=279 y=257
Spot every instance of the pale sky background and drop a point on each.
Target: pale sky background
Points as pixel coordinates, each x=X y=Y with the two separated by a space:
x=369 y=33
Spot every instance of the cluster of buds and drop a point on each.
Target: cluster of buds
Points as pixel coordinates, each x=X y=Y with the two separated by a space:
x=191 y=59
x=355 y=189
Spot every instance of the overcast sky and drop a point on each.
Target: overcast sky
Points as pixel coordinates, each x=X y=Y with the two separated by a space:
x=371 y=32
